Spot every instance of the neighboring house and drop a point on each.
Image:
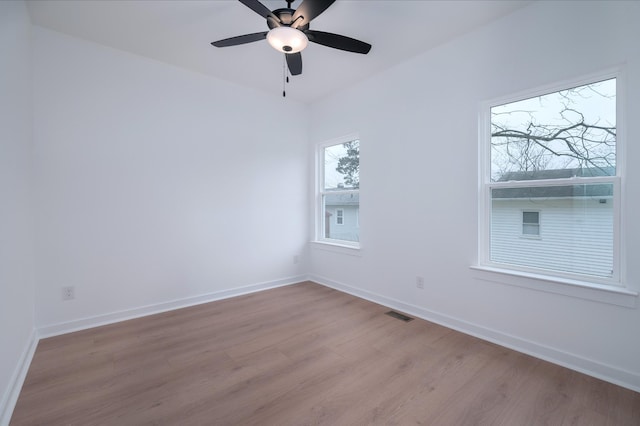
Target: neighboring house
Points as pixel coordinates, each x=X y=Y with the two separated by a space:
x=566 y=228
x=341 y=216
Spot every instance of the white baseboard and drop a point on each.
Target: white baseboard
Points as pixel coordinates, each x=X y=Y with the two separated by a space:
x=596 y=369
x=113 y=317
x=12 y=392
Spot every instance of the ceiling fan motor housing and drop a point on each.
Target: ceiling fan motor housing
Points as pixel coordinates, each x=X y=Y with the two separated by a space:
x=285 y=16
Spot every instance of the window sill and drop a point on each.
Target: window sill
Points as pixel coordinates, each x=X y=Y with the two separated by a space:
x=584 y=290
x=335 y=247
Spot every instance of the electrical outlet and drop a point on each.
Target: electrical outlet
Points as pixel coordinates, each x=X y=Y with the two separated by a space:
x=420 y=282
x=68 y=293
x=296 y=259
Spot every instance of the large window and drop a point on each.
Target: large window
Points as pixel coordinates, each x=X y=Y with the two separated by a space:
x=339 y=193
x=553 y=156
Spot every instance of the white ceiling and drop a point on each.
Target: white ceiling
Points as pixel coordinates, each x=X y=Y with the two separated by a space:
x=179 y=32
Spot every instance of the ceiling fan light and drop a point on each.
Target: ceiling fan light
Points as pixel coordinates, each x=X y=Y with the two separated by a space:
x=286 y=39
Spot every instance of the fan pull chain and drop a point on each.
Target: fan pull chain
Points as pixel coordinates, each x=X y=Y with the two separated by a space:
x=285 y=74
x=285 y=78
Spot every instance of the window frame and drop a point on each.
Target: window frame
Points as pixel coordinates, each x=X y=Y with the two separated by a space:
x=340 y=217
x=554 y=281
x=319 y=210
x=537 y=235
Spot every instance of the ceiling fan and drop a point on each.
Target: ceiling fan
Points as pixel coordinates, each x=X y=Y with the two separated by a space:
x=289 y=31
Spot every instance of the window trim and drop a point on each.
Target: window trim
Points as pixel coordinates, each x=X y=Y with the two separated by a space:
x=614 y=295
x=553 y=281
x=319 y=220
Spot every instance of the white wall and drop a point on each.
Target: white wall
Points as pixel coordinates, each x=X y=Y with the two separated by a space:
x=155 y=184
x=418 y=126
x=16 y=255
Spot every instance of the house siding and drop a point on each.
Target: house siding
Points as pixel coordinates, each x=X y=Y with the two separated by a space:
x=349 y=229
x=576 y=235
x=349 y=203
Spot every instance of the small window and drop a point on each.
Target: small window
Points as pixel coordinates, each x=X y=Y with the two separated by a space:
x=339 y=193
x=531 y=224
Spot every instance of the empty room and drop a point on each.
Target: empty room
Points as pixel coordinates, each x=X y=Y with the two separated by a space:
x=271 y=212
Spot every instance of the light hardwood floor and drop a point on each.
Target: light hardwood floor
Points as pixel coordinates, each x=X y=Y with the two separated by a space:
x=302 y=355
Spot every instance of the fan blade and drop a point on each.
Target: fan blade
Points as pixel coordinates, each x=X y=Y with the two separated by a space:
x=259 y=8
x=338 y=41
x=243 y=39
x=308 y=10
x=294 y=61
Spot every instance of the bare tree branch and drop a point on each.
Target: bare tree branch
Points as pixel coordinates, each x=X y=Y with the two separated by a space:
x=521 y=143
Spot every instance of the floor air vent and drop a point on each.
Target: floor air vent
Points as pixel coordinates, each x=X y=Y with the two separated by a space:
x=398 y=315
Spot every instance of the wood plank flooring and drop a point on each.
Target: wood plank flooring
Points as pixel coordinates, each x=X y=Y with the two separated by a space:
x=302 y=355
